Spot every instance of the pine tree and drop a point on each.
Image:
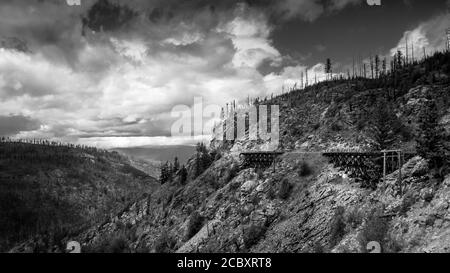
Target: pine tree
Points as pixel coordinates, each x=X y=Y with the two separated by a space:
x=176 y=165
x=164 y=173
x=202 y=159
x=399 y=60
x=183 y=175
x=328 y=68
x=377 y=66
x=306 y=78
x=431 y=136
x=371 y=66
x=384 y=125
x=169 y=170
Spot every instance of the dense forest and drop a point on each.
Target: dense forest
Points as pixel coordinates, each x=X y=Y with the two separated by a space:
x=51 y=190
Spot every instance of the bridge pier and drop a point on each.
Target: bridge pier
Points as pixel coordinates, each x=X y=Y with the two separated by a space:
x=370 y=166
x=259 y=159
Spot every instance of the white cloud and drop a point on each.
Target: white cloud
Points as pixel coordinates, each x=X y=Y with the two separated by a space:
x=428 y=35
x=250 y=35
x=340 y=4
x=307 y=9
x=185 y=38
x=310 y=10
x=135 y=50
x=123 y=142
x=117 y=90
x=291 y=76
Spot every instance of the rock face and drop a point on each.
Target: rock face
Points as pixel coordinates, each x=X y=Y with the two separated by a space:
x=247 y=214
x=305 y=205
x=227 y=209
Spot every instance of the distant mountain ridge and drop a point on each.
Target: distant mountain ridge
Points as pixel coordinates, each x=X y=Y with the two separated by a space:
x=159 y=154
x=306 y=205
x=49 y=191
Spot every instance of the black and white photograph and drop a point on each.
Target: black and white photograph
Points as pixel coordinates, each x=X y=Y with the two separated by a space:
x=226 y=127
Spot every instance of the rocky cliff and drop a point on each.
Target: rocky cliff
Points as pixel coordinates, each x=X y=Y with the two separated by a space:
x=303 y=203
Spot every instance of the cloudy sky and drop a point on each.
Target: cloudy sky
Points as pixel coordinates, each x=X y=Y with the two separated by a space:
x=108 y=73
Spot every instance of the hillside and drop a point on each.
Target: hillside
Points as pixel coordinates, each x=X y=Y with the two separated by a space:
x=159 y=154
x=307 y=204
x=153 y=156
x=50 y=191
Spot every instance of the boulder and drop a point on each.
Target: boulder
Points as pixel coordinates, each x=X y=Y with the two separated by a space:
x=249 y=186
x=420 y=169
x=446 y=182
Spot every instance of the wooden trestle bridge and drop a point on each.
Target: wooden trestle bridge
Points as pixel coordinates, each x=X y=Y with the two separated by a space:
x=365 y=166
x=259 y=159
x=369 y=167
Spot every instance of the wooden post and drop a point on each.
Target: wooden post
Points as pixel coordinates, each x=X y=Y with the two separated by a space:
x=384 y=167
x=274 y=162
x=400 y=164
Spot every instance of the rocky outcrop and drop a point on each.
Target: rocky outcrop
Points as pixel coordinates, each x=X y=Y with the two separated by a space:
x=228 y=209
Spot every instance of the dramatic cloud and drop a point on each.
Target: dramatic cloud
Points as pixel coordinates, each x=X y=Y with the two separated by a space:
x=11 y=125
x=428 y=35
x=109 y=73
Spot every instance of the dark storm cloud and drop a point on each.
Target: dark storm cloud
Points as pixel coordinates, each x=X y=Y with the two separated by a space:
x=54 y=28
x=11 y=125
x=356 y=30
x=140 y=127
x=48 y=27
x=111 y=15
x=13 y=43
x=108 y=16
x=118 y=80
x=277 y=10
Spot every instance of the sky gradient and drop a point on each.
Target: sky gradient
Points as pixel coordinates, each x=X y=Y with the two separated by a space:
x=108 y=73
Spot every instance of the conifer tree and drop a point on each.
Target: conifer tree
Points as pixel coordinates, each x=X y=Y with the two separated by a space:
x=328 y=68
x=431 y=135
x=399 y=60
x=202 y=159
x=183 y=175
x=377 y=66
x=384 y=125
x=164 y=173
x=371 y=66
x=176 y=165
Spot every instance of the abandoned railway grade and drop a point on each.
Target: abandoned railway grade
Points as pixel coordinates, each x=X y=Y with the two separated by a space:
x=359 y=165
